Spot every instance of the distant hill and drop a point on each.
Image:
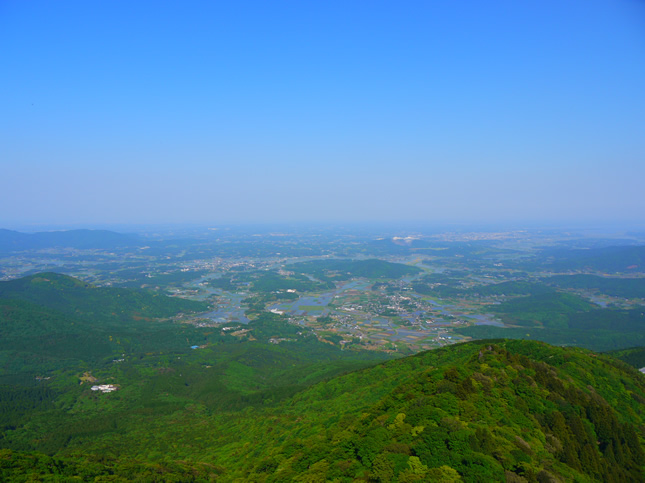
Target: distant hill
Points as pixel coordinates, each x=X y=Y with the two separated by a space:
x=609 y=259
x=343 y=269
x=11 y=241
x=465 y=250
x=547 y=309
x=619 y=287
x=634 y=356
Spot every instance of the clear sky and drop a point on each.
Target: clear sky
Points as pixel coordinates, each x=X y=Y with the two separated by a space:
x=258 y=111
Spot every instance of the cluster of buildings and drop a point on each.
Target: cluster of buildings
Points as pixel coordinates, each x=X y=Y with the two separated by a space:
x=105 y=388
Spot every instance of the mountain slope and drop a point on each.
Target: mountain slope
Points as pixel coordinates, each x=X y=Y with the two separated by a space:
x=103 y=304
x=481 y=411
x=50 y=321
x=489 y=411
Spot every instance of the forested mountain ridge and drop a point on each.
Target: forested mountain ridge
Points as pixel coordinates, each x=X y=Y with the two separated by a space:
x=480 y=411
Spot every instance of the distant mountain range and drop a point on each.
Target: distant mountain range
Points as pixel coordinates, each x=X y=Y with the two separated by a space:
x=12 y=241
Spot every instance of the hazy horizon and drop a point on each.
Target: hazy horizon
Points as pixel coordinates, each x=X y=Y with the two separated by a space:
x=201 y=113
x=618 y=230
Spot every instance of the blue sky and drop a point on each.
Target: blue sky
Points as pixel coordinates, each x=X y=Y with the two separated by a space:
x=220 y=112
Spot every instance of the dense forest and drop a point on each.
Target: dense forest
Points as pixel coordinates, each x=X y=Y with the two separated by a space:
x=481 y=411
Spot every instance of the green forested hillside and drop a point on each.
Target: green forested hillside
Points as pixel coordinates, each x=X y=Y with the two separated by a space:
x=271 y=281
x=634 y=356
x=274 y=401
x=549 y=309
x=480 y=411
x=53 y=322
x=595 y=329
x=99 y=304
